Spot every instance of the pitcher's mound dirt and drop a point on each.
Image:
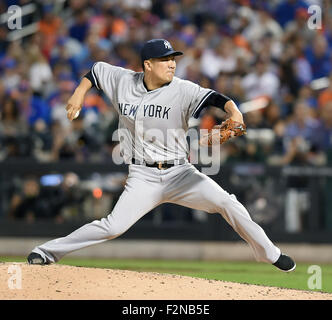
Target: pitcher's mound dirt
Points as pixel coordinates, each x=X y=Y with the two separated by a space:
x=78 y=283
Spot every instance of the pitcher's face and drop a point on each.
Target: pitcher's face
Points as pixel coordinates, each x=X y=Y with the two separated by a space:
x=162 y=69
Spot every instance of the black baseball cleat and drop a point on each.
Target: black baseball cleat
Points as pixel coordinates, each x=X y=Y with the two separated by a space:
x=36 y=258
x=285 y=263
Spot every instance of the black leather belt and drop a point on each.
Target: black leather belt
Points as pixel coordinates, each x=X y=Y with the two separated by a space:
x=159 y=164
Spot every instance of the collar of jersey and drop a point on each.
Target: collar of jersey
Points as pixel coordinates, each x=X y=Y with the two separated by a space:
x=147 y=90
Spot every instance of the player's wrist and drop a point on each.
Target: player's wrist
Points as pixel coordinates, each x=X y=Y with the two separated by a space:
x=233 y=112
x=79 y=93
x=237 y=117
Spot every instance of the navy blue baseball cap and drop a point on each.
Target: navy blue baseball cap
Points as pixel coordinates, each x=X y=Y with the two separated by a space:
x=158 y=48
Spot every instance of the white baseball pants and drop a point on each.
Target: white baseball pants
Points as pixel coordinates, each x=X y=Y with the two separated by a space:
x=147 y=188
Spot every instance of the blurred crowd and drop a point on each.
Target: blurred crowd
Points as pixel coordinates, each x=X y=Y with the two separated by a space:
x=245 y=49
x=62 y=197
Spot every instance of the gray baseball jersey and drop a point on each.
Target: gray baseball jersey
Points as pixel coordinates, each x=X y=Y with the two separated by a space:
x=153 y=124
x=141 y=112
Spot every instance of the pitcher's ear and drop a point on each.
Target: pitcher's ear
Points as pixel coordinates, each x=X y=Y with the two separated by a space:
x=147 y=65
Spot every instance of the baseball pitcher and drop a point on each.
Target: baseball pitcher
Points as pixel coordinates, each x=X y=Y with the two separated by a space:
x=154 y=107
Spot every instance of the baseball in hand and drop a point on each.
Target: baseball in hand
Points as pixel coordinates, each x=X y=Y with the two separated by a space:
x=77 y=114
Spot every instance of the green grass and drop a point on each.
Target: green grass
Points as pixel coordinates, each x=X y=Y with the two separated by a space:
x=242 y=272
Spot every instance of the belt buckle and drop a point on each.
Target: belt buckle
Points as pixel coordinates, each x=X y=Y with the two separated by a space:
x=160 y=166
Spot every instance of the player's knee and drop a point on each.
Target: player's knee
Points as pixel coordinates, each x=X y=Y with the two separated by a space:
x=115 y=228
x=227 y=201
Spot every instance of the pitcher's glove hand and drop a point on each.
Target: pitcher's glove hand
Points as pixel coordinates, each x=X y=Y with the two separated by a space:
x=223 y=132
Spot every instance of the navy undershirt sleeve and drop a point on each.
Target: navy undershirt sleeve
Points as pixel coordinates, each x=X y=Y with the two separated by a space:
x=90 y=77
x=215 y=99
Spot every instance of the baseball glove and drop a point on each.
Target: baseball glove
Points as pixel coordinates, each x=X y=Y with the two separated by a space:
x=223 y=132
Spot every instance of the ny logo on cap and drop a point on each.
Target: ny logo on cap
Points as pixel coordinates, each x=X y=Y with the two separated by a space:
x=167 y=45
